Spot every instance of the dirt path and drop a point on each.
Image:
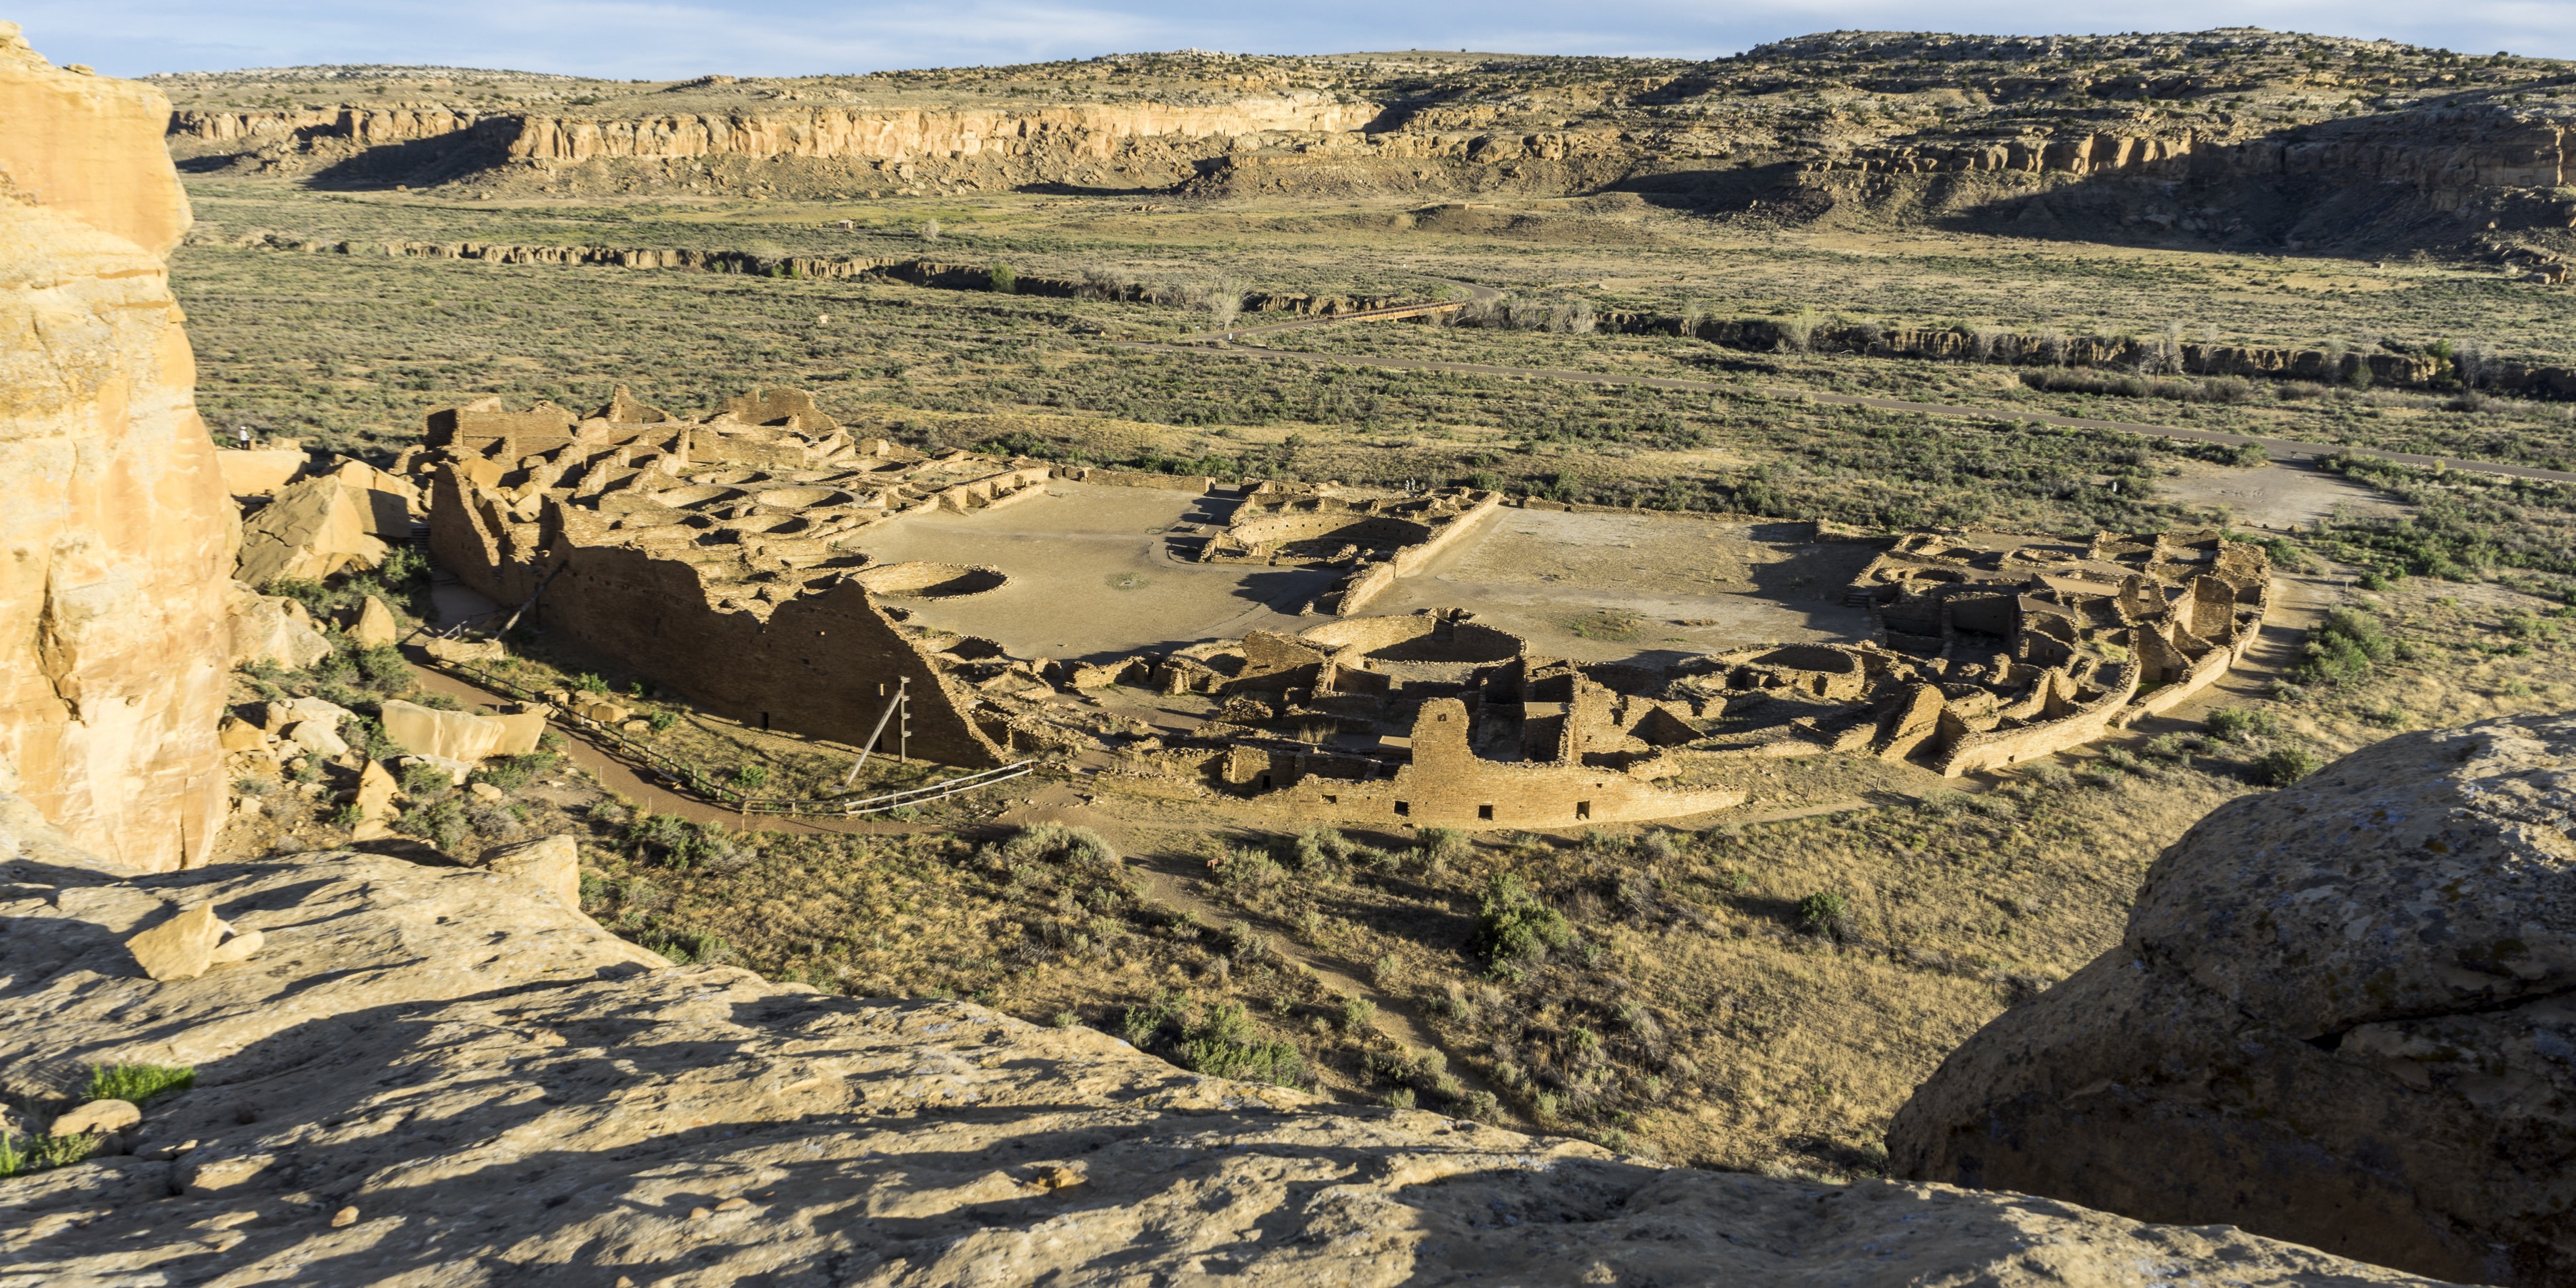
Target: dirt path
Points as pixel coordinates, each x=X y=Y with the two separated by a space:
x=2280 y=449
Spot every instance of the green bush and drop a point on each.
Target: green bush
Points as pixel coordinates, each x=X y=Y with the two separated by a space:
x=2242 y=724
x=1004 y=281
x=750 y=778
x=1078 y=848
x=1513 y=928
x=1141 y=1025
x=509 y=773
x=1357 y=1014
x=43 y=1152
x=1223 y=1044
x=384 y=669
x=139 y=1083
x=1823 y=911
x=425 y=782
x=2342 y=649
x=2285 y=766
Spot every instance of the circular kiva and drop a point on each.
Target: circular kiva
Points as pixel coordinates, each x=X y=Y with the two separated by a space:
x=798 y=498
x=930 y=580
x=682 y=498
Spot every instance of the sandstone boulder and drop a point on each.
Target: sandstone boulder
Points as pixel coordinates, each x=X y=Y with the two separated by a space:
x=376 y=626
x=460 y=735
x=2339 y=1016
x=318 y=737
x=553 y=864
x=97 y=1118
x=595 y=1108
x=291 y=710
x=448 y=650
x=374 y=796
x=260 y=473
x=180 y=948
x=313 y=530
x=237 y=734
x=273 y=629
x=113 y=646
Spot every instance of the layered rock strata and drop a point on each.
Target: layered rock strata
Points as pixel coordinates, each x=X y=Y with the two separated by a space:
x=113 y=642
x=2339 y=1016
x=443 y=1075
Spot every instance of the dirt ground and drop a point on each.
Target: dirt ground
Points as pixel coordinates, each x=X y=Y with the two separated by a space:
x=2283 y=495
x=1563 y=581
x=1090 y=575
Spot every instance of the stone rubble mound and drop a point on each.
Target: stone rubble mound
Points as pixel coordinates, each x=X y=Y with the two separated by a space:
x=2341 y=1015
x=443 y=1075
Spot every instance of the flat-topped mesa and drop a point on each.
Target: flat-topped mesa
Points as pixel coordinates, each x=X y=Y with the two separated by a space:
x=717 y=556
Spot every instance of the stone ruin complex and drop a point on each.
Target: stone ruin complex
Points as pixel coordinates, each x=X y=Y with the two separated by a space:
x=1376 y=538
x=725 y=558
x=1989 y=652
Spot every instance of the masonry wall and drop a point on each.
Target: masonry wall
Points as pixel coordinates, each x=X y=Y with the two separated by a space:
x=823 y=665
x=1447 y=785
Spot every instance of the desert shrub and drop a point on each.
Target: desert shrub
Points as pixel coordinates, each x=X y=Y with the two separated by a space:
x=2284 y=766
x=1514 y=930
x=140 y=1083
x=1054 y=844
x=1142 y=1024
x=1243 y=871
x=1357 y=1014
x=2242 y=724
x=750 y=778
x=2341 y=649
x=1003 y=280
x=423 y=782
x=510 y=773
x=384 y=669
x=42 y=1152
x=440 y=822
x=1824 y=912
x=1441 y=847
x=1224 y=1044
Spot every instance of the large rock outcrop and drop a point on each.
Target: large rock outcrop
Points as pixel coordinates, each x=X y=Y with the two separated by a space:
x=115 y=555
x=438 y=1075
x=2341 y=1015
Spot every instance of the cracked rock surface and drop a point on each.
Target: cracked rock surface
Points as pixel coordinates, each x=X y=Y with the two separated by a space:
x=437 y=1075
x=2343 y=1014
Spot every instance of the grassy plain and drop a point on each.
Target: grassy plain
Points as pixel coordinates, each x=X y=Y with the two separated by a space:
x=1703 y=1001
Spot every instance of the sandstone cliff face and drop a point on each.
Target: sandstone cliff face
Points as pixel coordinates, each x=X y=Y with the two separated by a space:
x=117 y=539
x=2339 y=1016
x=1087 y=130
x=438 y=1075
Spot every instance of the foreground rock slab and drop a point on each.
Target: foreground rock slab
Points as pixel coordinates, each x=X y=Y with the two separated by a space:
x=437 y=1075
x=2340 y=1016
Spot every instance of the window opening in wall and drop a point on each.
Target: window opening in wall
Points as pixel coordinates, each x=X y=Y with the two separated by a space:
x=1265 y=782
x=1485 y=813
x=1332 y=800
x=1583 y=809
x=764 y=719
x=1404 y=809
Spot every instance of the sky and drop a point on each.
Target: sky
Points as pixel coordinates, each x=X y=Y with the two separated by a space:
x=666 y=39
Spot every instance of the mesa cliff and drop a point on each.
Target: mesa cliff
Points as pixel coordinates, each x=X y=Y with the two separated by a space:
x=119 y=538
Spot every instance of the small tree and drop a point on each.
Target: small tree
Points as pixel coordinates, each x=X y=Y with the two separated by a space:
x=1003 y=280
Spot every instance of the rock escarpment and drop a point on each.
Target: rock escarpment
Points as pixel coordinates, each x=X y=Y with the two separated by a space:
x=2340 y=1016
x=118 y=540
x=441 y=1075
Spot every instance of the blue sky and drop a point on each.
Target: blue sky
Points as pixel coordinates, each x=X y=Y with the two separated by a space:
x=674 y=38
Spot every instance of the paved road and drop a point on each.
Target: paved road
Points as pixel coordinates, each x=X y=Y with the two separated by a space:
x=2280 y=449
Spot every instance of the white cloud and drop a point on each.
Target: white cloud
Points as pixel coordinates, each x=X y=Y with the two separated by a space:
x=646 y=39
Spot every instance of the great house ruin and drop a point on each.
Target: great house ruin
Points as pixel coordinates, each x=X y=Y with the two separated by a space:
x=737 y=559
